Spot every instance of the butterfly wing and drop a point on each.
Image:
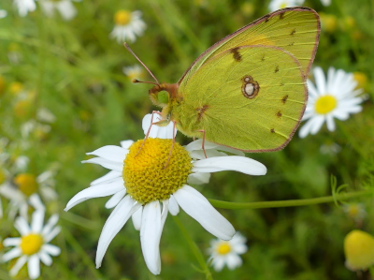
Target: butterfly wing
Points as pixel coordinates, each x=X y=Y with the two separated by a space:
x=296 y=30
x=250 y=98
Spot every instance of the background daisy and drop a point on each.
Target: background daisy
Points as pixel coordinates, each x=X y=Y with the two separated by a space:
x=33 y=246
x=333 y=97
x=226 y=253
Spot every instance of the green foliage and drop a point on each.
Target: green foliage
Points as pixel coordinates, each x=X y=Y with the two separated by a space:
x=74 y=69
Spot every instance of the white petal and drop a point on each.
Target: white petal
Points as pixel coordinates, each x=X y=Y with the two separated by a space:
x=109 y=164
x=37 y=221
x=235 y=163
x=320 y=80
x=45 y=258
x=52 y=234
x=22 y=226
x=153 y=130
x=111 y=152
x=150 y=235
x=199 y=208
x=53 y=220
x=115 y=199
x=14 y=253
x=233 y=261
x=33 y=266
x=317 y=124
x=137 y=218
x=126 y=144
x=198 y=178
x=36 y=202
x=111 y=175
x=100 y=190
x=330 y=123
x=113 y=225
x=19 y=264
x=173 y=206
x=51 y=249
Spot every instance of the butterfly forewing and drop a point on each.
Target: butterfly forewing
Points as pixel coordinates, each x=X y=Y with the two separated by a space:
x=296 y=30
x=251 y=98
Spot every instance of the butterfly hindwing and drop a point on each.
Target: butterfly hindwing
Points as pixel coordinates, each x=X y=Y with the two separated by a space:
x=250 y=97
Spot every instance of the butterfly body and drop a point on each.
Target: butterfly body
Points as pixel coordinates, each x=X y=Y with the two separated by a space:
x=247 y=91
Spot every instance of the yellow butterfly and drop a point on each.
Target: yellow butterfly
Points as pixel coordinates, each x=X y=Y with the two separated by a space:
x=248 y=91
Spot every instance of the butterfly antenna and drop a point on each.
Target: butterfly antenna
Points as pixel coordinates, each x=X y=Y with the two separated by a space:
x=142 y=63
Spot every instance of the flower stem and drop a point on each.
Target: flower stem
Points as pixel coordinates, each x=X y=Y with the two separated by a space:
x=194 y=248
x=289 y=203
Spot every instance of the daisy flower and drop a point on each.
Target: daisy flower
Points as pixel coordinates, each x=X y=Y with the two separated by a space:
x=64 y=7
x=134 y=72
x=334 y=97
x=359 y=250
x=356 y=211
x=25 y=6
x=227 y=252
x=280 y=4
x=128 y=25
x=33 y=246
x=3 y=13
x=24 y=189
x=150 y=178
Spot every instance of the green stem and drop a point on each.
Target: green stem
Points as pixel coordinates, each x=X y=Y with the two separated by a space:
x=289 y=203
x=194 y=248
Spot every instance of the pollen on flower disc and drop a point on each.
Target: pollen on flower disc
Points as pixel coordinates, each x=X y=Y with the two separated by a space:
x=156 y=168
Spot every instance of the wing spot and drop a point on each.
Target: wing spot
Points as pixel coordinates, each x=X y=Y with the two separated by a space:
x=284 y=99
x=263 y=58
x=281 y=84
x=291 y=44
x=281 y=15
x=276 y=69
x=236 y=54
x=279 y=114
x=272 y=130
x=267 y=18
x=293 y=31
x=201 y=111
x=250 y=87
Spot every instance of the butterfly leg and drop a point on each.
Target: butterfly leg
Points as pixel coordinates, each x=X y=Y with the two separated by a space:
x=203 y=144
x=172 y=146
x=149 y=129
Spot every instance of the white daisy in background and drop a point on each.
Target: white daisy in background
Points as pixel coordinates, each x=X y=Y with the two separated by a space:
x=355 y=211
x=128 y=25
x=227 y=252
x=33 y=246
x=3 y=13
x=65 y=7
x=135 y=72
x=334 y=97
x=280 y=4
x=149 y=178
x=24 y=191
x=25 y=6
x=326 y=2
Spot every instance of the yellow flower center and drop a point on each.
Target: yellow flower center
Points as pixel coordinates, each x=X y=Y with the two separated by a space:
x=326 y=104
x=31 y=243
x=224 y=248
x=16 y=88
x=122 y=17
x=27 y=183
x=155 y=169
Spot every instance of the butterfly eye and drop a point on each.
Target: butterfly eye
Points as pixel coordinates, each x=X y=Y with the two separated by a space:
x=163 y=97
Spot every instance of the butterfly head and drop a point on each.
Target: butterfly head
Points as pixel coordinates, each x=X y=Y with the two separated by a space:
x=162 y=94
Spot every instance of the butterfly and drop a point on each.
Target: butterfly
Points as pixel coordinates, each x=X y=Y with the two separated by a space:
x=247 y=91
